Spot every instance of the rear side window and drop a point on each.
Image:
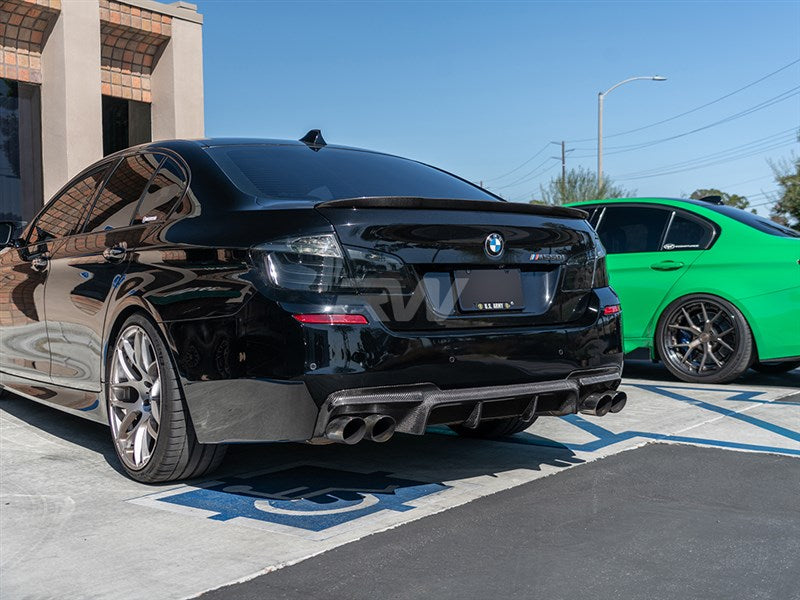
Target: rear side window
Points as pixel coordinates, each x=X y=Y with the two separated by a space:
x=117 y=201
x=625 y=229
x=686 y=233
x=63 y=215
x=162 y=193
x=755 y=221
x=297 y=172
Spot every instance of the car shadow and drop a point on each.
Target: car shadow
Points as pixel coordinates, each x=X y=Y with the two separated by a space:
x=68 y=427
x=646 y=369
x=436 y=457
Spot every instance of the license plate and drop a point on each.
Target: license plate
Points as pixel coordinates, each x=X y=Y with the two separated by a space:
x=482 y=290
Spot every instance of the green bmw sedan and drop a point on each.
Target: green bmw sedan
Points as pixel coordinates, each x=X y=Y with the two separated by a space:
x=708 y=289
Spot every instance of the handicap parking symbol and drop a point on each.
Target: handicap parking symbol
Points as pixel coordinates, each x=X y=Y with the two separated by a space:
x=305 y=497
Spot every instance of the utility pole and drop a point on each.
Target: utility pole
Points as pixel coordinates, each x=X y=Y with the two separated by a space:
x=563 y=182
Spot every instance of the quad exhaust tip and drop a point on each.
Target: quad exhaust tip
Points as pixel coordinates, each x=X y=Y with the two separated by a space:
x=346 y=430
x=601 y=403
x=351 y=430
x=618 y=402
x=379 y=428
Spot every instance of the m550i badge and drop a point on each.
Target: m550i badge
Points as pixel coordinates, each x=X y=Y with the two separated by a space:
x=547 y=258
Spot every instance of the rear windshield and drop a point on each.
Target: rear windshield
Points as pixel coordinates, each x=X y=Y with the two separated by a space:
x=318 y=175
x=748 y=218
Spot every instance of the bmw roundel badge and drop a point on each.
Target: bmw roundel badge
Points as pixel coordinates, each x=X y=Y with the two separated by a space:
x=494 y=245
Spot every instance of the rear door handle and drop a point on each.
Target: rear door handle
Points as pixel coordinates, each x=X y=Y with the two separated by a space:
x=115 y=253
x=39 y=263
x=667 y=265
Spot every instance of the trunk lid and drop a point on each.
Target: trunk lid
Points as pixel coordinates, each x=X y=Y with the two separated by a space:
x=465 y=263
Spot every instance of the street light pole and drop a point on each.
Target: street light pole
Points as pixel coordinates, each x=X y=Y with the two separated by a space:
x=600 y=97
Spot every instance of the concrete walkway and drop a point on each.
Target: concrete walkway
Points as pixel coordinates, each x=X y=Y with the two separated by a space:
x=71 y=525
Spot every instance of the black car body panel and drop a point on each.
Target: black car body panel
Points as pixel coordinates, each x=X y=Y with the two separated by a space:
x=249 y=370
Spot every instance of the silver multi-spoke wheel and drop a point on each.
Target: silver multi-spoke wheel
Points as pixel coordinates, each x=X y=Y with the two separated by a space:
x=702 y=338
x=135 y=397
x=150 y=426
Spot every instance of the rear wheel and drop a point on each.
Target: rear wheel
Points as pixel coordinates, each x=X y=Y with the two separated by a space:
x=704 y=339
x=150 y=427
x=777 y=367
x=496 y=428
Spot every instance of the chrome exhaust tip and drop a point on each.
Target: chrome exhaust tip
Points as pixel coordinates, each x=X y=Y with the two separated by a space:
x=597 y=404
x=618 y=402
x=346 y=430
x=379 y=428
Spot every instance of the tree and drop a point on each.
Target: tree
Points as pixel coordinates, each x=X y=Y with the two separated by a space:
x=734 y=200
x=580 y=185
x=787 y=207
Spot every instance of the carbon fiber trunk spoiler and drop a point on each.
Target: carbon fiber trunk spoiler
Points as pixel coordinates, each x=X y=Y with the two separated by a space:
x=455 y=204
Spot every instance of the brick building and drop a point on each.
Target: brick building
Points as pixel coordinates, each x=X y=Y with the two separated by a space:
x=80 y=79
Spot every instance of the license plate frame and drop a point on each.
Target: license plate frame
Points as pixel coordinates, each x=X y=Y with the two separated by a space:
x=489 y=290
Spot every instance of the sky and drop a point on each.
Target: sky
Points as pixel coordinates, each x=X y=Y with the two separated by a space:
x=481 y=89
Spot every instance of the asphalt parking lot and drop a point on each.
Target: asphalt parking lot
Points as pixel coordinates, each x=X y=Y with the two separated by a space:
x=690 y=492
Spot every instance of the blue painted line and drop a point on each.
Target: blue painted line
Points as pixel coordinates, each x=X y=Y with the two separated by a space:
x=607 y=438
x=527 y=439
x=738 y=395
x=760 y=423
x=306 y=497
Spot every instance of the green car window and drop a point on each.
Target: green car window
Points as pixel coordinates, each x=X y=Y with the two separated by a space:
x=625 y=229
x=686 y=233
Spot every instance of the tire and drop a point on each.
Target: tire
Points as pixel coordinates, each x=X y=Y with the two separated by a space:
x=150 y=427
x=776 y=368
x=704 y=339
x=496 y=428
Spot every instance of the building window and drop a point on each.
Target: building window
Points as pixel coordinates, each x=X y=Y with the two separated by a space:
x=20 y=150
x=125 y=123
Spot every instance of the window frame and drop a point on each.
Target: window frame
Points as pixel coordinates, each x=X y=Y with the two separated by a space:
x=658 y=207
x=157 y=152
x=715 y=228
x=100 y=190
x=690 y=216
x=109 y=166
x=186 y=178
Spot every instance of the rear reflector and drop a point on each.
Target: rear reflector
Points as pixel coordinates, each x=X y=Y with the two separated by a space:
x=611 y=310
x=328 y=319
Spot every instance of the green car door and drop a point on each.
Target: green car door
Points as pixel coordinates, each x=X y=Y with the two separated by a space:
x=649 y=249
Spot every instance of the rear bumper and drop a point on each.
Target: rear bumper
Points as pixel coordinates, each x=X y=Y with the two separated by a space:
x=418 y=378
x=416 y=407
x=255 y=410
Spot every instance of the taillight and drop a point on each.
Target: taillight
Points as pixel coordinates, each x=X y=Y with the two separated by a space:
x=600 y=271
x=612 y=309
x=310 y=263
x=587 y=269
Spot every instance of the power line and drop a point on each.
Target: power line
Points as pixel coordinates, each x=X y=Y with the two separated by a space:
x=766 y=203
x=527 y=177
x=730 y=185
x=519 y=167
x=743 y=113
x=550 y=168
x=781 y=136
x=660 y=173
x=702 y=106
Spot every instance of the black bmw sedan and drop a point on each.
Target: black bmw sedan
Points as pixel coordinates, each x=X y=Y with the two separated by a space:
x=196 y=293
